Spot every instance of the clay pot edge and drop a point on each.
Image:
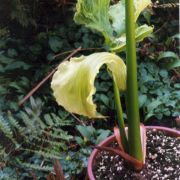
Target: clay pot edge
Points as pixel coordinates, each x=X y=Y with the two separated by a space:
x=172 y=132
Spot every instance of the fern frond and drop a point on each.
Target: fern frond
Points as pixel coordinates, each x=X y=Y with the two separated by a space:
x=38 y=120
x=15 y=124
x=63 y=135
x=35 y=166
x=52 y=143
x=6 y=129
x=56 y=121
x=4 y=126
x=42 y=153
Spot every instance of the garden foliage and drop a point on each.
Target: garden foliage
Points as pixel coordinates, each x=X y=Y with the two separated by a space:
x=27 y=52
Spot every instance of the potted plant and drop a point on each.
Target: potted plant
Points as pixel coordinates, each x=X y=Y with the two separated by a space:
x=73 y=85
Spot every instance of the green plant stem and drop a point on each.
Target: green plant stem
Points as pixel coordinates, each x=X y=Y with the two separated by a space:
x=134 y=139
x=120 y=116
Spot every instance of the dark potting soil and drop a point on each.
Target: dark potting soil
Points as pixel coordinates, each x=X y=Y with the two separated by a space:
x=162 y=161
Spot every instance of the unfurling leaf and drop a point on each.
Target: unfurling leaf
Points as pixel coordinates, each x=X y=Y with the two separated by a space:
x=94 y=14
x=73 y=82
x=140 y=33
x=139 y=6
x=99 y=15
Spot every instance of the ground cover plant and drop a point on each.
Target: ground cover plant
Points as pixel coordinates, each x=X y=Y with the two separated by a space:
x=33 y=58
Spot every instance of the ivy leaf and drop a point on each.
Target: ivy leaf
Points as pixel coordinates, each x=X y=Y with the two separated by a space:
x=85 y=131
x=142 y=100
x=104 y=99
x=50 y=56
x=103 y=134
x=55 y=44
x=154 y=104
x=17 y=65
x=12 y=52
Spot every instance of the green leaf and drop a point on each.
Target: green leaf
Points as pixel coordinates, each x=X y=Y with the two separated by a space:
x=55 y=43
x=177 y=36
x=104 y=99
x=140 y=33
x=149 y=115
x=147 y=15
x=153 y=105
x=17 y=65
x=163 y=73
x=83 y=131
x=12 y=52
x=50 y=56
x=36 y=49
x=117 y=14
x=79 y=140
x=94 y=15
x=108 y=20
x=103 y=134
x=6 y=60
x=139 y=6
x=142 y=100
x=73 y=82
x=173 y=64
x=171 y=60
x=168 y=54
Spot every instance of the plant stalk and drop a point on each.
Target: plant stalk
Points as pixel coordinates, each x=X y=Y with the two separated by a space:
x=120 y=116
x=134 y=140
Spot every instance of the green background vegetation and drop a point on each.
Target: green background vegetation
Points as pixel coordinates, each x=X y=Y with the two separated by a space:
x=33 y=135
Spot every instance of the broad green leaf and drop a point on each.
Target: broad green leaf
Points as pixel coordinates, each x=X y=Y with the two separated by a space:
x=73 y=82
x=109 y=20
x=140 y=33
x=94 y=14
x=117 y=14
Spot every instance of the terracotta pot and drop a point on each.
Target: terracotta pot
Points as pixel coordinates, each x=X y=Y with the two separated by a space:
x=90 y=176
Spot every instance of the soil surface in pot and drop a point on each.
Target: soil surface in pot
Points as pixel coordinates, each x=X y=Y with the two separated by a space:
x=162 y=161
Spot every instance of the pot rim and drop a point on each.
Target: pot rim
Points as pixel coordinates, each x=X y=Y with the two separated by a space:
x=171 y=131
